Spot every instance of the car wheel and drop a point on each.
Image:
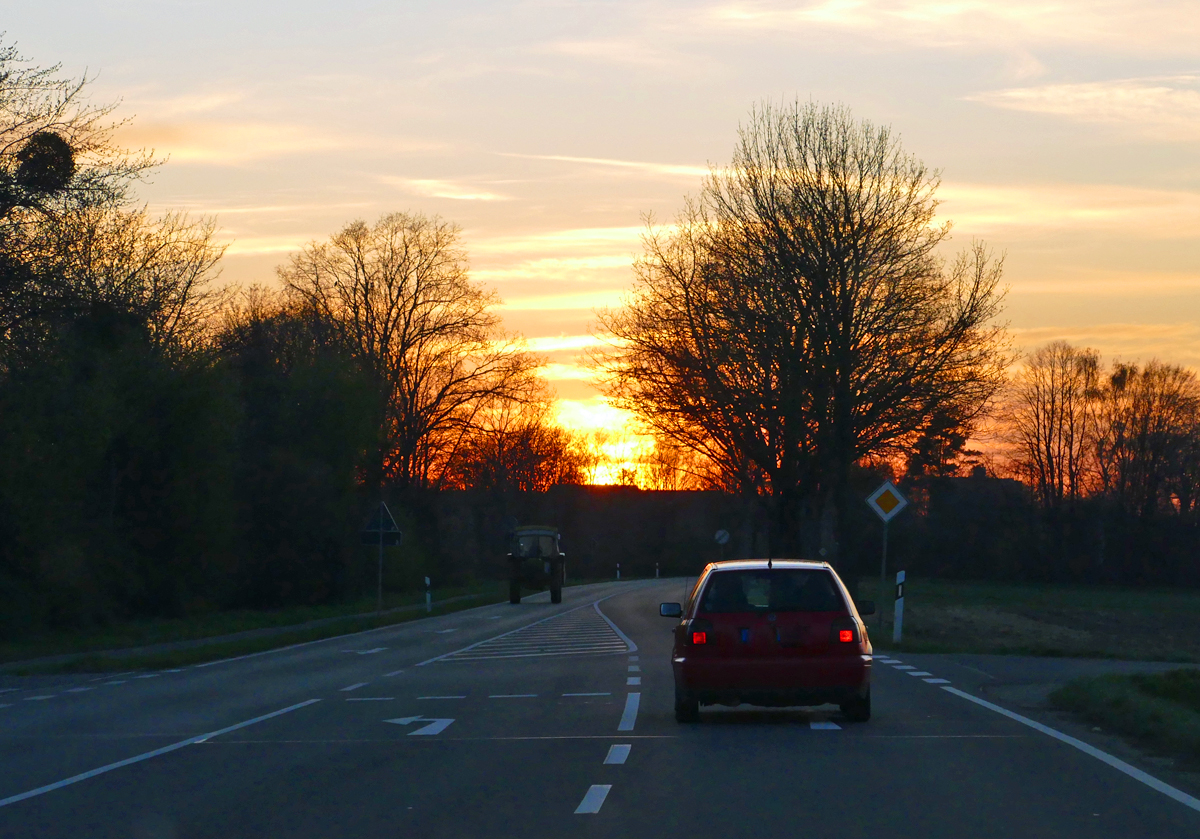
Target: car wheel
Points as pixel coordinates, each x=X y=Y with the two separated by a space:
x=687 y=709
x=514 y=591
x=858 y=709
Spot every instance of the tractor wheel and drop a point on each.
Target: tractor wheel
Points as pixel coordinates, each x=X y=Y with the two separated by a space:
x=514 y=591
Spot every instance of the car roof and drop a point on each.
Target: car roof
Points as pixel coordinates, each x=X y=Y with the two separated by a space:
x=762 y=564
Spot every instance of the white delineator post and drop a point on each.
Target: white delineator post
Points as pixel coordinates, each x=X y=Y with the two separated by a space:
x=898 y=622
x=428 y=597
x=618 y=570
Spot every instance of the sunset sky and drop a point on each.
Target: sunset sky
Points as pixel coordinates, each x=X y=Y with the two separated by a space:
x=1067 y=134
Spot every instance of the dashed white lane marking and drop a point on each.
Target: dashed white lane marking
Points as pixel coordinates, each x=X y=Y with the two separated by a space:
x=369 y=698
x=9 y=690
x=445 y=631
x=512 y=696
x=199 y=738
x=888 y=660
x=633 y=658
x=919 y=673
x=617 y=754
x=366 y=652
x=588 y=694
x=593 y=800
x=629 y=715
x=354 y=686
x=938 y=681
x=824 y=726
x=634 y=680
x=441 y=697
x=116 y=682
x=1120 y=765
x=578 y=631
x=905 y=667
x=5 y=706
x=39 y=697
x=147 y=676
x=79 y=690
x=175 y=670
x=393 y=673
x=634 y=668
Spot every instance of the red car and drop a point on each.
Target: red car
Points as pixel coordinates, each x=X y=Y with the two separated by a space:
x=770 y=632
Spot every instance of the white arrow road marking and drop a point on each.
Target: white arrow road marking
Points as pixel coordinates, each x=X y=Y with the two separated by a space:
x=434 y=727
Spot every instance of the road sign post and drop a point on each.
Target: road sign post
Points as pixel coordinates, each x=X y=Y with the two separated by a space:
x=381 y=530
x=886 y=501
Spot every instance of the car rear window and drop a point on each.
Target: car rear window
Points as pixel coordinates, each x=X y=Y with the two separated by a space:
x=775 y=590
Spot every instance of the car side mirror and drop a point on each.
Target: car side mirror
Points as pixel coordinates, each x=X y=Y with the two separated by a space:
x=670 y=610
x=867 y=607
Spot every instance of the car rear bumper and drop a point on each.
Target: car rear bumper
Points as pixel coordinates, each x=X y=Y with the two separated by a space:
x=812 y=680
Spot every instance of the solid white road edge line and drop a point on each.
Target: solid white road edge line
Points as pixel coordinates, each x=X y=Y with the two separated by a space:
x=633 y=648
x=629 y=716
x=618 y=753
x=83 y=776
x=593 y=800
x=1116 y=763
x=355 y=686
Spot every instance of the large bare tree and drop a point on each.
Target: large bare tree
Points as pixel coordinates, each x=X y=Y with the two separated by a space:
x=431 y=338
x=798 y=315
x=1051 y=420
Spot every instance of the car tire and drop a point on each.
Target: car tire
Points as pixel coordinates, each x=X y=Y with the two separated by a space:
x=687 y=709
x=514 y=591
x=858 y=709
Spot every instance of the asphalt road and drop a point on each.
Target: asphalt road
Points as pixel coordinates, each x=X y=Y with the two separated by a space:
x=517 y=721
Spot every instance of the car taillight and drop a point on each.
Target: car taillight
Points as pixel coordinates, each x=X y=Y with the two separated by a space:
x=845 y=631
x=699 y=637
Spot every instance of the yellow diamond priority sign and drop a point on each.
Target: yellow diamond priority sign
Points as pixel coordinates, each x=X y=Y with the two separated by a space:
x=887 y=501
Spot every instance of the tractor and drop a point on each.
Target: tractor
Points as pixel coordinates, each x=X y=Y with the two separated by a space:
x=536 y=561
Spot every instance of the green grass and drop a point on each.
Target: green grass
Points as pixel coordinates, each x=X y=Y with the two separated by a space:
x=1161 y=710
x=149 y=632
x=1041 y=619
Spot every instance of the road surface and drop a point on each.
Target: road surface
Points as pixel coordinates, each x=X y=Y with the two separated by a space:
x=540 y=720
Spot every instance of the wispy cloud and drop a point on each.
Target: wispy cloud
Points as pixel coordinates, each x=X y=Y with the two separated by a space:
x=226 y=143
x=1164 y=108
x=668 y=169
x=1121 y=25
x=1177 y=343
x=583 y=300
x=579 y=268
x=456 y=190
x=1152 y=213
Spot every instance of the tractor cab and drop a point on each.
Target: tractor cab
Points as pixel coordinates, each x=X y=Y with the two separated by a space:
x=536 y=561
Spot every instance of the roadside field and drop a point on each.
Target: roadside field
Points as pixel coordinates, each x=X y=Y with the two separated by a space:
x=1161 y=711
x=1046 y=620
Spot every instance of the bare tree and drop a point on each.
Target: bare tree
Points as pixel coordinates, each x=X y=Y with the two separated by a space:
x=1052 y=420
x=517 y=447
x=799 y=317
x=1148 y=422
x=430 y=337
x=56 y=147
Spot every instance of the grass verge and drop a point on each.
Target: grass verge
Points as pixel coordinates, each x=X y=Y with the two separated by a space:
x=1161 y=711
x=116 y=662
x=144 y=633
